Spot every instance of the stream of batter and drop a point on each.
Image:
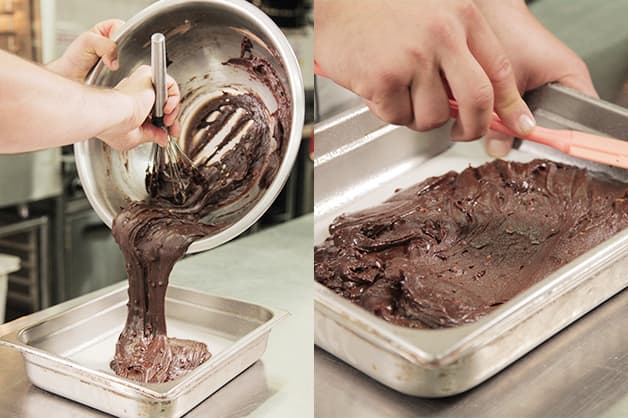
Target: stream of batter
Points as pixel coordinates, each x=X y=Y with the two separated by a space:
x=451 y=249
x=232 y=171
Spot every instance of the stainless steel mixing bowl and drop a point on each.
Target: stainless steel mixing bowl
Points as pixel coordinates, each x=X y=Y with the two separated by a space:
x=201 y=35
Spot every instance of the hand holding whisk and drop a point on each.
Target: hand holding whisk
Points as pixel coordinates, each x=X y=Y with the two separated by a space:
x=165 y=160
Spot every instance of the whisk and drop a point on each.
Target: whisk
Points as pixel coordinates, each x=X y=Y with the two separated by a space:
x=166 y=159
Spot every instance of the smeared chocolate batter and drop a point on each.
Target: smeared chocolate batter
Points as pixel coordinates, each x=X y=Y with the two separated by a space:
x=259 y=68
x=449 y=250
x=236 y=154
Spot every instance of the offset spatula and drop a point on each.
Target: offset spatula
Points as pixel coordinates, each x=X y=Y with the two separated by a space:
x=578 y=144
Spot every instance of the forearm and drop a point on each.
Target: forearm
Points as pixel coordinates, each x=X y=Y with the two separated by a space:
x=39 y=109
x=60 y=67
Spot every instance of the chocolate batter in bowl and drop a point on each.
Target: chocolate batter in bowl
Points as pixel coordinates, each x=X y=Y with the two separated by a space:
x=209 y=57
x=241 y=115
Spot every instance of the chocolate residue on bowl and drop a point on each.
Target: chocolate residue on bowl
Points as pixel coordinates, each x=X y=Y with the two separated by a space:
x=451 y=249
x=260 y=69
x=231 y=175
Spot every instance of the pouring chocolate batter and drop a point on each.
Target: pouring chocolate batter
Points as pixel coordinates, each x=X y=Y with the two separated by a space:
x=229 y=176
x=450 y=249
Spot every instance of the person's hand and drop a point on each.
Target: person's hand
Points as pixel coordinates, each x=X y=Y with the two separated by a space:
x=137 y=97
x=537 y=57
x=406 y=57
x=85 y=51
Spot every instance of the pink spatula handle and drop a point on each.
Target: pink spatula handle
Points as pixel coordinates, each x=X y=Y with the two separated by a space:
x=578 y=144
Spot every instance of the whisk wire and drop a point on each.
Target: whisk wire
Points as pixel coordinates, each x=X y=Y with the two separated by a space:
x=174 y=171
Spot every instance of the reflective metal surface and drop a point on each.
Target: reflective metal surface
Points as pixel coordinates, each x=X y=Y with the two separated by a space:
x=280 y=385
x=579 y=373
x=30 y=288
x=8 y=264
x=201 y=36
x=67 y=350
x=360 y=162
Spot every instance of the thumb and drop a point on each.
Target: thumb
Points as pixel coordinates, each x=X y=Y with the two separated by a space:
x=151 y=133
x=511 y=107
x=145 y=133
x=107 y=28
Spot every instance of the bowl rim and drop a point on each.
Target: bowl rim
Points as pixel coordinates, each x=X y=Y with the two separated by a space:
x=295 y=85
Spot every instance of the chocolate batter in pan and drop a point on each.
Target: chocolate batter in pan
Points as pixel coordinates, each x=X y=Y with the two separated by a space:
x=450 y=249
x=153 y=234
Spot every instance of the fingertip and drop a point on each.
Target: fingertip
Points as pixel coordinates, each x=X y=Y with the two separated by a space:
x=175 y=129
x=169 y=106
x=169 y=120
x=162 y=140
x=497 y=145
x=173 y=86
x=113 y=56
x=154 y=134
x=458 y=133
x=172 y=106
x=107 y=28
x=111 y=64
x=517 y=116
x=525 y=123
x=115 y=26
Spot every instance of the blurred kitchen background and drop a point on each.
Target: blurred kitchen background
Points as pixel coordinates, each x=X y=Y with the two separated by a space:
x=64 y=249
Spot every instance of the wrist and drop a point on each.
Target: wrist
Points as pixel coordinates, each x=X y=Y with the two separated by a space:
x=57 y=67
x=113 y=109
x=63 y=67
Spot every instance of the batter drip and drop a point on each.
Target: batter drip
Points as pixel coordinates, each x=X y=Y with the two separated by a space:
x=450 y=249
x=232 y=171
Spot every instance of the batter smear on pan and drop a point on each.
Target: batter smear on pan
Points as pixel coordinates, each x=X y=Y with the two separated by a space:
x=450 y=249
x=232 y=171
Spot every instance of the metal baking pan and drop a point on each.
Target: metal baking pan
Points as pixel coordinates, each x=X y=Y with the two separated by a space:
x=360 y=162
x=67 y=349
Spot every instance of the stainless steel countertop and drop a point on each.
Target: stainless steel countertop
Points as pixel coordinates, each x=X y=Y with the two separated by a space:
x=273 y=267
x=580 y=372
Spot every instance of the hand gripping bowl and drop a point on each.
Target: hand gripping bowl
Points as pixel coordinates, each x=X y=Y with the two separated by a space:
x=201 y=35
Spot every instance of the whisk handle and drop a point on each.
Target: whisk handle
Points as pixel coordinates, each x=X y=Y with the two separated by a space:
x=158 y=65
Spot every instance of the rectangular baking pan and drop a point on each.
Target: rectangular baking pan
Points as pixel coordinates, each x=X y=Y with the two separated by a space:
x=360 y=161
x=67 y=349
